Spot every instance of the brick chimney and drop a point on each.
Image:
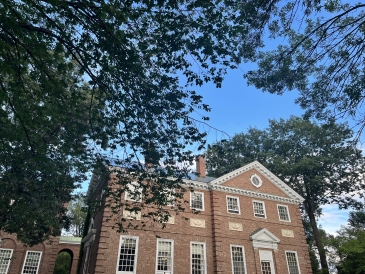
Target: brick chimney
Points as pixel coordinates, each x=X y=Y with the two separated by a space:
x=200 y=165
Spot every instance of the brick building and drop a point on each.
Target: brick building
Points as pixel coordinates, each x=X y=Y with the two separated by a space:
x=15 y=258
x=249 y=222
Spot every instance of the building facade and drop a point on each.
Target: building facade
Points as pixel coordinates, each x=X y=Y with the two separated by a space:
x=15 y=258
x=249 y=222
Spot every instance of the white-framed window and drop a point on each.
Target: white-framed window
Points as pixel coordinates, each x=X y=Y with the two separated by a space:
x=197 y=200
x=164 y=256
x=198 y=258
x=31 y=263
x=133 y=193
x=266 y=262
x=5 y=257
x=233 y=204
x=283 y=212
x=292 y=262
x=238 y=259
x=127 y=255
x=259 y=209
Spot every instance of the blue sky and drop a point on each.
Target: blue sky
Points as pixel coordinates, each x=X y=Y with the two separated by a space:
x=236 y=107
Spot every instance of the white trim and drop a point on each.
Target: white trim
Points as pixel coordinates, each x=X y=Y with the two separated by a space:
x=8 y=261
x=205 y=256
x=196 y=184
x=266 y=173
x=287 y=211
x=26 y=256
x=172 y=256
x=264 y=239
x=255 y=194
x=258 y=178
x=263 y=205
x=238 y=204
x=296 y=257
x=243 y=254
x=135 y=258
x=203 y=207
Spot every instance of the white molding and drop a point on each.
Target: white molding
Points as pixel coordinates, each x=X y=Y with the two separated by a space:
x=263 y=206
x=136 y=255
x=89 y=238
x=8 y=261
x=203 y=206
x=172 y=255
x=266 y=173
x=39 y=261
x=296 y=257
x=266 y=256
x=238 y=203
x=235 y=226
x=287 y=233
x=205 y=256
x=259 y=241
x=243 y=254
x=196 y=184
x=287 y=211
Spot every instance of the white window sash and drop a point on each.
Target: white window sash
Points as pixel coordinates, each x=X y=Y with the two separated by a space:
x=26 y=261
x=5 y=261
x=172 y=256
x=296 y=258
x=122 y=238
x=203 y=253
x=263 y=207
x=287 y=212
x=243 y=255
x=191 y=200
x=238 y=204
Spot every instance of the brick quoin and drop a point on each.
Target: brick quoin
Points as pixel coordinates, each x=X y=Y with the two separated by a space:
x=221 y=229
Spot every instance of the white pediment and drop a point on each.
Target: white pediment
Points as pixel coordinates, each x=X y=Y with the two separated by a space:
x=263 y=171
x=263 y=238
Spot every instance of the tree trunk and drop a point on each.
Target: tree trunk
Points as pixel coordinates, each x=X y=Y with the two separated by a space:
x=317 y=238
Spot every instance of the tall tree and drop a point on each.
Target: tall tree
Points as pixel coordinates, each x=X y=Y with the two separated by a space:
x=316 y=160
x=77 y=211
x=140 y=60
x=320 y=54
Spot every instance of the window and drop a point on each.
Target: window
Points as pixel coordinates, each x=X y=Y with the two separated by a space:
x=233 y=205
x=283 y=212
x=132 y=193
x=5 y=256
x=266 y=262
x=259 y=209
x=31 y=264
x=197 y=200
x=265 y=267
x=238 y=260
x=164 y=256
x=256 y=180
x=127 y=257
x=197 y=251
x=292 y=261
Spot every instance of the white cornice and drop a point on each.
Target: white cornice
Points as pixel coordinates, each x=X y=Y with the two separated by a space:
x=265 y=172
x=196 y=184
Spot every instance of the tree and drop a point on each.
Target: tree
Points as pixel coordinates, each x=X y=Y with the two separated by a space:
x=357 y=219
x=82 y=80
x=316 y=160
x=321 y=54
x=63 y=263
x=77 y=211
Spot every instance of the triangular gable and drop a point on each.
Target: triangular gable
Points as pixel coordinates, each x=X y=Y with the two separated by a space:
x=264 y=172
x=264 y=238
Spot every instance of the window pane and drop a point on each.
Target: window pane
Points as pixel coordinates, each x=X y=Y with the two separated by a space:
x=238 y=260
x=291 y=258
x=283 y=213
x=127 y=254
x=196 y=200
x=31 y=262
x=197 y=259
x=232 y=204
x=5 y=256
x=259 y=209
x=164 y=257
x=265 y=267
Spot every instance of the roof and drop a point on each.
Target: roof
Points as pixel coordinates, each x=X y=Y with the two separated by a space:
x=70 y=239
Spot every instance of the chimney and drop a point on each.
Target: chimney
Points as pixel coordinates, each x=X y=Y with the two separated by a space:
x=200 y=165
